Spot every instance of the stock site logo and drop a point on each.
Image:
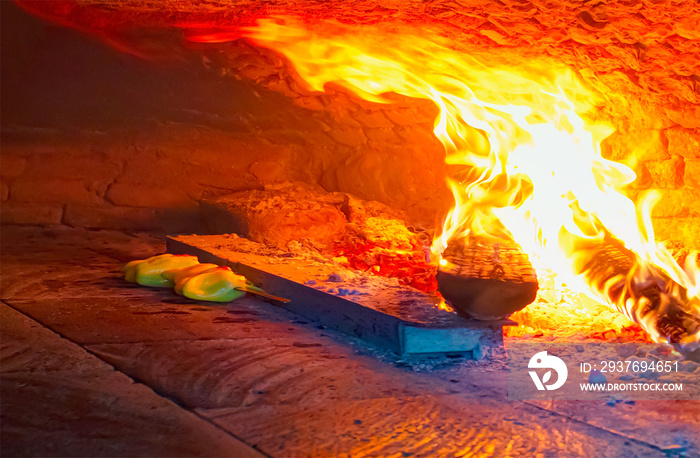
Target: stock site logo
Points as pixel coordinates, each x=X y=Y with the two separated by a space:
x=542 y=360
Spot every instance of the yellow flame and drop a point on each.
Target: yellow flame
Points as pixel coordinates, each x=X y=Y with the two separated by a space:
x=528 y=166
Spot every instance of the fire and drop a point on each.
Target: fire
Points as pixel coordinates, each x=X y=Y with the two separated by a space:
x=526 y=165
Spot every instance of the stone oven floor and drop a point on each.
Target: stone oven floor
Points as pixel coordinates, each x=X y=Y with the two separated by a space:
x=93 y=366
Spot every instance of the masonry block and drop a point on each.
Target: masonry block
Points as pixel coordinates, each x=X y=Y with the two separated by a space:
x=110 y=217
x=30 y=213
x=671 y=204
x=146 y=195
x=685 y=231
x=11 y=165
x=647 y=145
x=684 y=142
x=692 y=174
x=55 y=190
x=667 y=173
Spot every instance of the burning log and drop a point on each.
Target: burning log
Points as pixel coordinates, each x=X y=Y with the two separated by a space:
x=644 y=293
x=486 y=281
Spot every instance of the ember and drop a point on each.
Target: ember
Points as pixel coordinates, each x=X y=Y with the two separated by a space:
x=387 y=248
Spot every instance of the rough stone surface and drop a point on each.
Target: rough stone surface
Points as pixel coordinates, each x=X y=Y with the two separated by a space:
x=224 y=366
x=60 y=162
x=233 y=117
x=30 y=213
x=358 y=428
x=667 y=173
x=684 y=142
x=590 y=412
x=644 y=179
x=691 y=199
x=642 y=145
x=367 y=236
x=110 y=217
x=653 y=43
x=677 y=203
x=259 y=373
x=692 y=174
x=280 y=214
x=55 y=191
x=680 y=228
x=12 y=166
x=148 y=195
x=59 y=400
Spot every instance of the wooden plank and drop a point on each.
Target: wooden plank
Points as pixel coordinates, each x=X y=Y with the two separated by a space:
x=397 y=318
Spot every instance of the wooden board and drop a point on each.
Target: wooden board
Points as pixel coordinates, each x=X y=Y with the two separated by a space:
x=376 y=310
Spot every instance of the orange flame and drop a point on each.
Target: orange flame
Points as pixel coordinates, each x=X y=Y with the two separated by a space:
x=528 y=166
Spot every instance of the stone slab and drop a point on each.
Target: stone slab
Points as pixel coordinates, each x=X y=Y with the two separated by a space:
x=55 y=263
x=281 y=383
x=425 y=425
x=402 y=319
x=303 y=393
x=152 y=315
x=671 y=426
x=302 y=367
x=59 y=400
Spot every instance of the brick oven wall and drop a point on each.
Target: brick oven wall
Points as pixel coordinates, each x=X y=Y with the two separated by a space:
x=96 y=138
x=108 y=140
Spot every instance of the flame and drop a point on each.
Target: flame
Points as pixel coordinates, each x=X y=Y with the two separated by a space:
x=526 y=165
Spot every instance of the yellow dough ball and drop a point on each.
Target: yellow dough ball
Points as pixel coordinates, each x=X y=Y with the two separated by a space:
x=216 y=285
x=149 y=271
x=177 y=275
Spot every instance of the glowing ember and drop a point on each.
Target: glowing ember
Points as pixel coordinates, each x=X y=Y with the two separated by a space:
x=561 y=312
x=385 y=247
x=527 y=166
